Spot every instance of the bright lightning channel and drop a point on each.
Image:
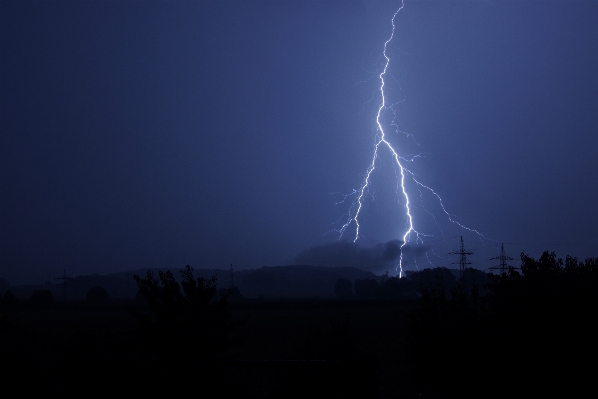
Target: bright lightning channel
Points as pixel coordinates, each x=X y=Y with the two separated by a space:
x=382 y=142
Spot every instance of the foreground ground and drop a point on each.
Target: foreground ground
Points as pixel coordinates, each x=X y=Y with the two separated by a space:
x=358 y=339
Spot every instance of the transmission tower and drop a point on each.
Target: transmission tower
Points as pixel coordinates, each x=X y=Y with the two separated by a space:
x=462 y=257
x=502 y=266
x=64 y=283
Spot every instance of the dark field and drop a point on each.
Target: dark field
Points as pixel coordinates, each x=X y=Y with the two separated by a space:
x=532 y=333
x=274 y=336
x=372 y=331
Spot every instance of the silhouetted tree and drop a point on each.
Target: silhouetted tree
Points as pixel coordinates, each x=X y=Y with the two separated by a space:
x=550 y=304
x=189 y=330
x=540 y=319
x=97 y=294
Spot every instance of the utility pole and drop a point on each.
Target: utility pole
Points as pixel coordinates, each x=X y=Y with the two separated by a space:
x=232 y=283
x=462 y=258
x=64 y=284
x=502 y=261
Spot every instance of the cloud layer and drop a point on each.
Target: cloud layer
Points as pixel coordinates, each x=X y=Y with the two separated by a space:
x=377 y=257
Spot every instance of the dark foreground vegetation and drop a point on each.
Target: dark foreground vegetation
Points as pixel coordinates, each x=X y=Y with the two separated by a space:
x=528 y=332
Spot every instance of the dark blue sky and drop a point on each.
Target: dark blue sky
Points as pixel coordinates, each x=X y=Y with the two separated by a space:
x=146 y=134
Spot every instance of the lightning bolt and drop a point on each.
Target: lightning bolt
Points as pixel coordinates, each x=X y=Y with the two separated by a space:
x=402 y=173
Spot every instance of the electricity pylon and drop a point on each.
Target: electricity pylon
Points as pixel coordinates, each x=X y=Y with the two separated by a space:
x=502 y=266
x=64 y=283
x=462 y=258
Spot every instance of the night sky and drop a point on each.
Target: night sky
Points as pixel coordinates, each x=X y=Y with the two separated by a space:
x=160 y=134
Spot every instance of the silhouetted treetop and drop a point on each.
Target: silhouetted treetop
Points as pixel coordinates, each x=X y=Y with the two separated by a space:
x=187 y=322
x=97 y=294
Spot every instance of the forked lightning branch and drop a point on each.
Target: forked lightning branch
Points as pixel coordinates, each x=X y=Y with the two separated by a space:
x=411 y=233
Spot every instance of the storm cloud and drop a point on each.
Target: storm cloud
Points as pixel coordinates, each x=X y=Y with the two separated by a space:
x=376 y=257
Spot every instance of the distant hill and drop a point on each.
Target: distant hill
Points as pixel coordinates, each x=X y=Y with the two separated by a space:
x=291 y=281
x=296 y=281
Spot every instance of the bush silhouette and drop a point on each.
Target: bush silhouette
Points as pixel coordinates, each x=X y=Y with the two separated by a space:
x=97 y=294
x=539 y=318
x=188 y=331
